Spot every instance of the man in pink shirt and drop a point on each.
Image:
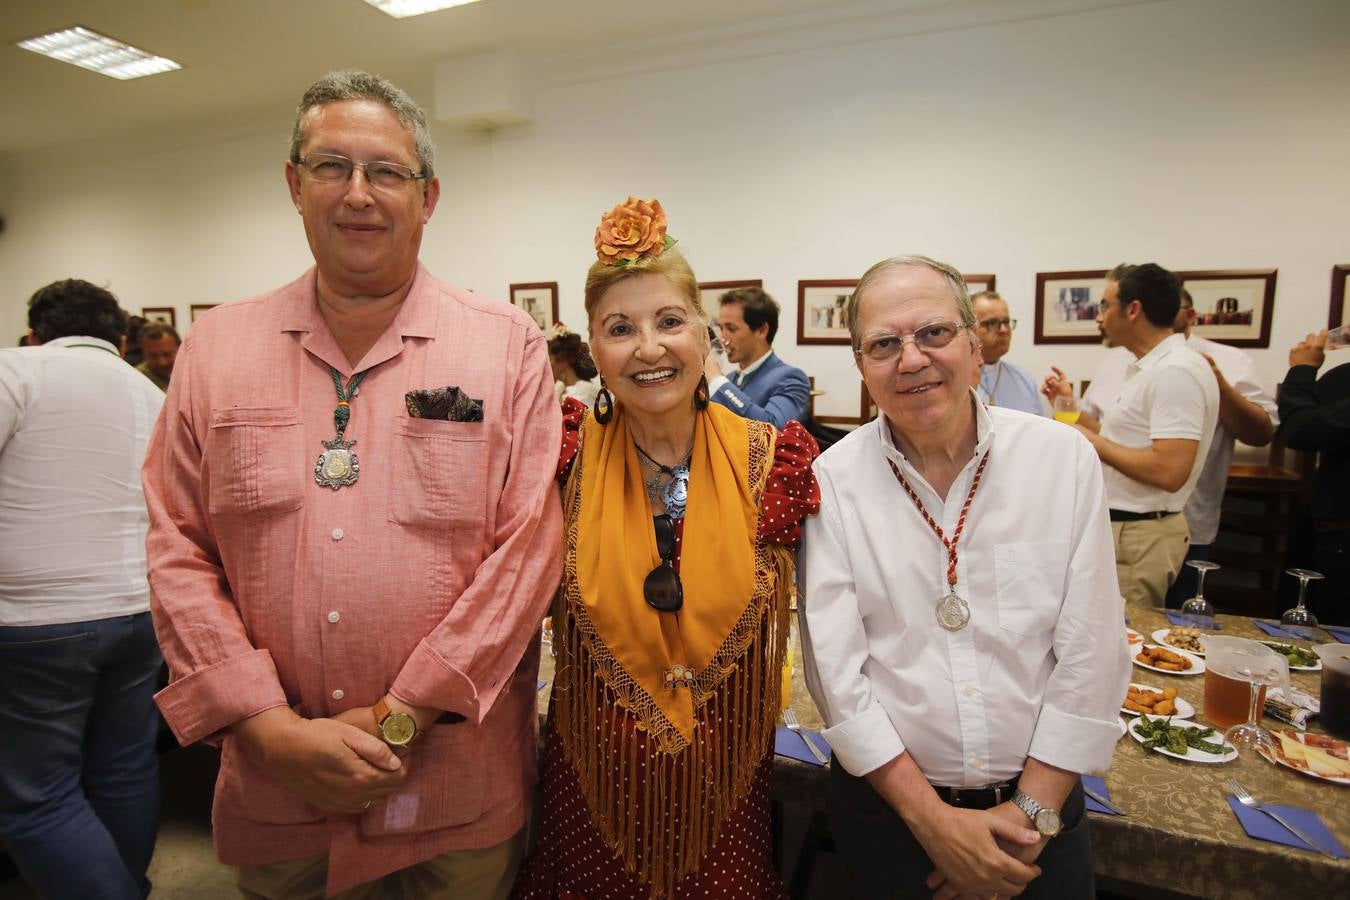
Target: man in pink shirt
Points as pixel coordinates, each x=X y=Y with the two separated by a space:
x=354 y=536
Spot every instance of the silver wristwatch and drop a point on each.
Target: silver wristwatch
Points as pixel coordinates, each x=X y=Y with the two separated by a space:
x=1046 y=821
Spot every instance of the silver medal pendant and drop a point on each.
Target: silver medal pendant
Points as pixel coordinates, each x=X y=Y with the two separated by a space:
x=953 y=613
x=337 y=466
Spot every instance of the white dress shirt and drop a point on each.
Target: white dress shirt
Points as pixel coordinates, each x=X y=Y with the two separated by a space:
x=1042 y=666
x=75 y=421
x=1203 y=508
x=1169 y=392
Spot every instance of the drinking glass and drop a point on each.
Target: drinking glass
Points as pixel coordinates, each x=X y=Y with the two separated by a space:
x=1066 y=409
x=1198 y=605
x=1300 y=615
x=1250 y=735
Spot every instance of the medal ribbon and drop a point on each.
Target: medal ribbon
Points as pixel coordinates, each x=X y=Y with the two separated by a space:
x=960 y=522
x=343 y=413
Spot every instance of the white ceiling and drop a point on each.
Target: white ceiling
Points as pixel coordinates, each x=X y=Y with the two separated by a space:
x=242 y=58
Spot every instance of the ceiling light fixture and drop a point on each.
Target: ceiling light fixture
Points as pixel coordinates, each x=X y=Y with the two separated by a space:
x=98 y=53
x=402 y=9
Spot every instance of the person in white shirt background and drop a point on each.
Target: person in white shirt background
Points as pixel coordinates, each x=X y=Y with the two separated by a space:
x=962 y=628
x=79 y=664
x=574 y=372
x=1247 y=413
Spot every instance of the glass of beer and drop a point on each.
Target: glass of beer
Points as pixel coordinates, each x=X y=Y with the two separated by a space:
x=1066 y=409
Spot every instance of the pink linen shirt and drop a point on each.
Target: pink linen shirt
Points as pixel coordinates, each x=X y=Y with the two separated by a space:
x=428 y=578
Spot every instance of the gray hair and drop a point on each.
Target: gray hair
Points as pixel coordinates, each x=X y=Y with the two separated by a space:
x=353 y=85
x=955 y=281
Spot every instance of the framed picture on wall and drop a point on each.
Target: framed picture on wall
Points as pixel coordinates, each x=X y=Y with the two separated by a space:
x=1232 y=306
x=977 y=283
x=1066 y=306
x=820 y=311
x=197 y=309
x=539 y=299
x=164 y=315
x=1340 y=315
x=711 y=291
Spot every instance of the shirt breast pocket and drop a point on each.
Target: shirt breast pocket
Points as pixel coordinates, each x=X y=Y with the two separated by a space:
x=440 y=474
x=1030 y=580
x=257 y=461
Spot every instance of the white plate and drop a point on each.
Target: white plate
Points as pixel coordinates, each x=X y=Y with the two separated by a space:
x=1292 y=667
x=1197 y=664
x=1160 y=638
x=1134 y=639
x=1278 y=758
x=1184 y=709
x=1120 y=720
x=1192 y=755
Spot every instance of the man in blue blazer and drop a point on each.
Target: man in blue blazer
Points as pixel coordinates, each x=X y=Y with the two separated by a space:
x=764 y=387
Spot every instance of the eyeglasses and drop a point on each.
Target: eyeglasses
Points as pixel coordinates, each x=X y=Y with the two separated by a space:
x=331 y=168
x=933 y=336
x=994 y=324
x=662 y=590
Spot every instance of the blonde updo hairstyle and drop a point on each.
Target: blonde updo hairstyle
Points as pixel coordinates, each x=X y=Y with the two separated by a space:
x=670 y=265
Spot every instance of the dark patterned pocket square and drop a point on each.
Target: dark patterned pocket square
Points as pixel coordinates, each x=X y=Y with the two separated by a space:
x=449 y=403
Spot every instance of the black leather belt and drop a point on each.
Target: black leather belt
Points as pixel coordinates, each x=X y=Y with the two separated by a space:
x=1122 y=515
x=985 y=797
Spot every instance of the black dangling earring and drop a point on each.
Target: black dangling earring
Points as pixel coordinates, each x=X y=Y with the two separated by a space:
x=701 y=393
x=603 y=410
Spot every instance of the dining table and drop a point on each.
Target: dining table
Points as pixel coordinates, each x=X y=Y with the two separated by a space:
x=1179 y=836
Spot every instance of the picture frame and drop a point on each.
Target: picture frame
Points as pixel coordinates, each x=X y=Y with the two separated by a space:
x=539 y=299
x=165 y=315
x=1232 y=306
x=820 y=310
x=1338 y=314
x=197 y=309
x=1067 y=305
x=867 y=411
x=710 y=292
x=977 y=283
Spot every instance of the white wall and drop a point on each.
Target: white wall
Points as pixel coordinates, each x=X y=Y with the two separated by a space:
x=1198 y=133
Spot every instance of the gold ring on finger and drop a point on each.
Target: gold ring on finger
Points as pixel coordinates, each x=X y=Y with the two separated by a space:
x=367 y=804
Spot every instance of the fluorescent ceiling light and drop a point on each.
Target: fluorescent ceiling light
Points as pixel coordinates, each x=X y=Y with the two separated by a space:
x=98 y=53
x=402 y=9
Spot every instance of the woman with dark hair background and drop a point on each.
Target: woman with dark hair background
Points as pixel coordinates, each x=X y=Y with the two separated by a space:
x=574 y=371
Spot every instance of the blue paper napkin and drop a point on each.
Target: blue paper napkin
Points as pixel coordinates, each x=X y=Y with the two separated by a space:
x=789 y=744
x=1339 y=632
x=540 y=685
x=1275 y=629
x=1262 y=827
x=1186 y=620
x=1098 y=785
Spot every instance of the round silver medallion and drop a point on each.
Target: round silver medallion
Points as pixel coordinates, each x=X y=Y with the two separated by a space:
x=337 y=466
x=952 y=613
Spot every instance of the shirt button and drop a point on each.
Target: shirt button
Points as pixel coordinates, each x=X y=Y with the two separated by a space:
x=338 y=694
x=338 y=534
x=970 y=691
x=335 y=617
x=975 y=762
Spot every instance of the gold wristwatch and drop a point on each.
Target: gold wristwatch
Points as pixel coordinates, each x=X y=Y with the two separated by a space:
x=1044 y=820
x=396 y=728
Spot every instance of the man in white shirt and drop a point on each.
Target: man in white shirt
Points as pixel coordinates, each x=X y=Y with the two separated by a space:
x=79 y=783
x=1001 y=382
x=1155 y=433
x=1247 y=413
x=967 y=678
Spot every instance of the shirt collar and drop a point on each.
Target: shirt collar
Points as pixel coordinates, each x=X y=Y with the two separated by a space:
x=1160 y=350
x=81 y=340
x=416 y=317
x=984 y=435
x=748 y=370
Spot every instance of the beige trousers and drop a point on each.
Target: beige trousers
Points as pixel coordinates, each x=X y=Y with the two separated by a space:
x=485 y=874
x=1149 y=554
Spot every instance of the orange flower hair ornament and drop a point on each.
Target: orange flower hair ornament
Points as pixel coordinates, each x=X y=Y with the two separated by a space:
x=633 y=230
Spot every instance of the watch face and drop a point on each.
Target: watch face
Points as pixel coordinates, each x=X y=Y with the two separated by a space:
x=399 y=728
x=1047 y=822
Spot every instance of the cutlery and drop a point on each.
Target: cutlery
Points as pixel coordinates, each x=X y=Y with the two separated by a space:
x=1247 y=799
x=1103 y=801
x=790 y=720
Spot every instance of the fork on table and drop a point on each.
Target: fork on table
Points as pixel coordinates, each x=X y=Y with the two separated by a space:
x=1246 y=799
x=790 y=720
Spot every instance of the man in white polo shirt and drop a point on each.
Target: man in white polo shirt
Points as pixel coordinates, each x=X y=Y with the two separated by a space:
x=1154 y=437
x=79 y=779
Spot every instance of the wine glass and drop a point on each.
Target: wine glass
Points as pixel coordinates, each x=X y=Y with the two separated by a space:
x=1066 y=409
x=1250 y=735
x=1299 y=615
x=1198 y=605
